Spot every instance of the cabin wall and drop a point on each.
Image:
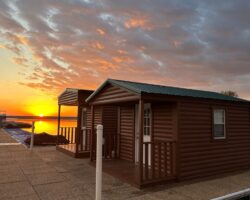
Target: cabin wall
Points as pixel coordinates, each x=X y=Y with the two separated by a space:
x=110 y=115
x=127 y=129
x=98 y=116
x=200 y=155
x=89 y=117
x=163 y=121
x=106 y=115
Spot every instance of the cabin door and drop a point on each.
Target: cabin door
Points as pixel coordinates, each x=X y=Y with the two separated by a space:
x=147 y=131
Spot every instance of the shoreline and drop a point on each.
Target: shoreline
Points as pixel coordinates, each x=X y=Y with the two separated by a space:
x=40 y=118
x=22 y=136
x=18 y=134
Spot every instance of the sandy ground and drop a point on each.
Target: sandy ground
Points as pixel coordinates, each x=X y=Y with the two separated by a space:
x=47 y=174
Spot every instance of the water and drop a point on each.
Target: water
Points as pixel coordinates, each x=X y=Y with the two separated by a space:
x=46 y=125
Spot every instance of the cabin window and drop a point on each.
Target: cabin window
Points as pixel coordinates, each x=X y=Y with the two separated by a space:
x=147 y=119
x=219 y=124
x=84 y=118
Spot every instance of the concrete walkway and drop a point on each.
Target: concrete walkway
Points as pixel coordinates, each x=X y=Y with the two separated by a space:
x=48 y=174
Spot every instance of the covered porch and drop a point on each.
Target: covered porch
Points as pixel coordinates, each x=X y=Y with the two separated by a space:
x=77 y=138
x=144 y=149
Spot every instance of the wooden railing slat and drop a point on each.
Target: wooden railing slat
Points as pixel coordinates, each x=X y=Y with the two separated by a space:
x=153 y=160
x=171 y=146
x=110 y=147
x=159 y=160
x=71 y=130
x=81 y=139
x=162 y=161
x=115 y=145
x=165 y=159
x=146 y=161
x=70 y=134
x=86 y=139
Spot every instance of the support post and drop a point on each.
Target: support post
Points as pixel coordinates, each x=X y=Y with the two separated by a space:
x=99 y=135
x=78 y=128
x=58 y=124
x=92 y=134
x=141 y=122
x=32 y=136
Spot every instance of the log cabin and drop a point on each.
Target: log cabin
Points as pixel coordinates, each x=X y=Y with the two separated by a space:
x=78 y=138
x=164 y=134
x=77 y=146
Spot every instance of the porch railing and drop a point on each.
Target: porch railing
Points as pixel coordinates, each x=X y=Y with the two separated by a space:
x=158 y=161
x=68 y=133
x=84 y=139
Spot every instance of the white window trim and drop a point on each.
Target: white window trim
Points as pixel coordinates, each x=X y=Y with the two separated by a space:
x=84 y=110
x=148 y=106
x=225 y=133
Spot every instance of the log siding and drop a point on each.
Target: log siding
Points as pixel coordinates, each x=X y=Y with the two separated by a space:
x=127 y=131
x=163 y=121
x=200 y=154
x=114 y=94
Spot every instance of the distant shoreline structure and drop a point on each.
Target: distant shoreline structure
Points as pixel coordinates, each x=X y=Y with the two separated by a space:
x=37 y=117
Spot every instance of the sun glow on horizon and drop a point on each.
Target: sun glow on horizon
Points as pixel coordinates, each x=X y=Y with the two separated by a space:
x=41 y=115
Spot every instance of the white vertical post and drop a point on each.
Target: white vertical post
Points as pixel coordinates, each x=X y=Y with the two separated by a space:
x=99 y=135
x=32 y=136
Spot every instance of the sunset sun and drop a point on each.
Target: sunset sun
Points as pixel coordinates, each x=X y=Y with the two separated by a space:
x=41 y=115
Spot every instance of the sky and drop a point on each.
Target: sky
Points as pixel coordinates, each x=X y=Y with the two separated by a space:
x=48 y=45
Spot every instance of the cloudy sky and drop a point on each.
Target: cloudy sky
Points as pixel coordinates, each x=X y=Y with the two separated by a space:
x=48 y=45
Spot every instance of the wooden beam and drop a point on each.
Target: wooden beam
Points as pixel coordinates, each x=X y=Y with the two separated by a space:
x=176 y=146
x=118 y=132
x=141 y=125
x=92 y=133
x=78 y=128
x=125 y=99
x=173 y=98
x=58 y=123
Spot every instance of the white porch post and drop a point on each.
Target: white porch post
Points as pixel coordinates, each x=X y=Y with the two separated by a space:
x=141 y=125
x=99 y=135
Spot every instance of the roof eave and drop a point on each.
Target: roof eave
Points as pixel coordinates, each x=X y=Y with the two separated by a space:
x=113 y=82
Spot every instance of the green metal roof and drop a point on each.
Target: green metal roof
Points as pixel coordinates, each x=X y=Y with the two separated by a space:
x=145 y=88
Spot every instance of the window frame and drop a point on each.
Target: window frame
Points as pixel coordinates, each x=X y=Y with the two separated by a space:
x=84 y=110
x=225 y=124
x=148 y=126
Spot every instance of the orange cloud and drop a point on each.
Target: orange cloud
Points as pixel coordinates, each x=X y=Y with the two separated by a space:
x=98 y=45
x=104 y=65
x=137 y=22
x=22 y=39
x=21 y=61
x=100 y=31
x=122 y=51
x=122 y=59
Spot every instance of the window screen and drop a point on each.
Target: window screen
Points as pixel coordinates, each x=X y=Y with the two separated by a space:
x=147 y=120
x=219 y=123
